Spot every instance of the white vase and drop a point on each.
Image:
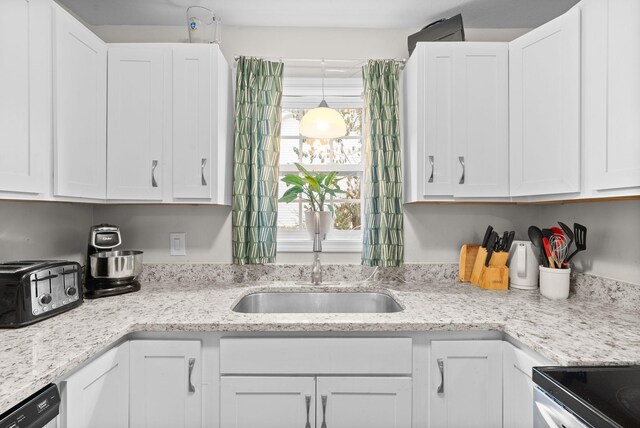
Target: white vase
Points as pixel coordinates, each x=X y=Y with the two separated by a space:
x=326 y=223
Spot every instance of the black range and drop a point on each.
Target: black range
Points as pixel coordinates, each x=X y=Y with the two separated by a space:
x=599 y=396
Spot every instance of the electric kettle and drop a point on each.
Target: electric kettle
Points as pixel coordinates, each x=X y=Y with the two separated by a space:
x=523 y=266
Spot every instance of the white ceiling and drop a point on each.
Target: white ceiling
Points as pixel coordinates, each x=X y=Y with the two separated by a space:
x=325 y=13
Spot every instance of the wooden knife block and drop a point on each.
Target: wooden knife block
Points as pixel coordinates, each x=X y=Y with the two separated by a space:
x=468 y=254
x=492 y=277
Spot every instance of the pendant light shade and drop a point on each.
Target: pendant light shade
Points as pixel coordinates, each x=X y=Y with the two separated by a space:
x=323 y=122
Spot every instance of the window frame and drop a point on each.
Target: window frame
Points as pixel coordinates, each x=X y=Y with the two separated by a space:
x=305 y=93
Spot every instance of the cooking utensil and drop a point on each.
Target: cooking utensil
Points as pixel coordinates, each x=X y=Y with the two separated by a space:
x=510 y=238
x=503 y=241
x=535 y=236
x=547 y=252
x=558 y=245
x=487 y=234
x=490 y=247
x=567 y=232
x=580 y=235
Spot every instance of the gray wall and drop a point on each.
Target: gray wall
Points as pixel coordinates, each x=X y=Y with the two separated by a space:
x=433 y=233
x=44 y=230
x=613 y=236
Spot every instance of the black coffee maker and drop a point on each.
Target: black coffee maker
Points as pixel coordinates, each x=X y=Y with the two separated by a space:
x=109 y=272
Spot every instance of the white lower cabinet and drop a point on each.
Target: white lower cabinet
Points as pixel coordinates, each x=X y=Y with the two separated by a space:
x=518 y=386
x=266 y=402
x=166 y=383
x=465 y=387
x=340 y=402
x=97 y=396
x=373 y=402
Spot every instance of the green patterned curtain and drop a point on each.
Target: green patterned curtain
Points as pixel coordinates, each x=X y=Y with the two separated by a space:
x=383 y=233
x=256 y=160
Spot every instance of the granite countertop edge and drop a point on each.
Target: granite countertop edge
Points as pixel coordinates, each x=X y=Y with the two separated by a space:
x=565 y=332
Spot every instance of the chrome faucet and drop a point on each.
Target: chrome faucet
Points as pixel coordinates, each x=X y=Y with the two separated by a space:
x=316 y=269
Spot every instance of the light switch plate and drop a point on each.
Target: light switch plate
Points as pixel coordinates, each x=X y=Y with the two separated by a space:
x=178 y=244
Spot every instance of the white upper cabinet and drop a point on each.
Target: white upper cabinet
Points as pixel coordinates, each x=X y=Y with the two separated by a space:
x=201 y=113
x=137 y=105
x=465 y=389
x=192 y=133
x=80 y=101
x=23 y=133
x=611 y=93
x=170 y=135
x=481 y=112
x=544 y=90
x=455 y=121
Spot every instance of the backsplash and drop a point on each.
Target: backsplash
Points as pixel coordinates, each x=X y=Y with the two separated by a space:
x=585 y=286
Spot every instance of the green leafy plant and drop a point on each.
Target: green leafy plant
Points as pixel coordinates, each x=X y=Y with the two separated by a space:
x=311 y=188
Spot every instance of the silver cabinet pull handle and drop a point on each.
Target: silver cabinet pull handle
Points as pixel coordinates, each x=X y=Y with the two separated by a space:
x=203 y=163
x=307 y=399
x=461 y=159
x=154 y=165
x=324 y=411
x=192 y=363
x=432 y=162
x=441 y=368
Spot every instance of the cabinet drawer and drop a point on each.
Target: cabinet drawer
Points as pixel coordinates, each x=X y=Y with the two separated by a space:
x=316 y=355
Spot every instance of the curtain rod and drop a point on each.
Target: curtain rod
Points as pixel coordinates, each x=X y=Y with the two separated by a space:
x=280 y=59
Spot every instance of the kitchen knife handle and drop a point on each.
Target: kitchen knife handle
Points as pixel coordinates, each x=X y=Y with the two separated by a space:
x=441 y=368
x=461 y=159
x=203 y=163
x=192 y=363
x=432 y=162
x=154 y=165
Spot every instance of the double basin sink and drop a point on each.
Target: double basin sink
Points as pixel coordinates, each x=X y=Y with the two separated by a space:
x=317 y=302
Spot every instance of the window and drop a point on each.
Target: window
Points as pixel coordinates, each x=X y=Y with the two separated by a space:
x=344 y=155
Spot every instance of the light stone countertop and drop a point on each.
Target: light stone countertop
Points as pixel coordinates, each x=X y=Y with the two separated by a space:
x=577 y=331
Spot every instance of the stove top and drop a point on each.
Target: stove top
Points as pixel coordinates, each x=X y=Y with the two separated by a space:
x=602 y=396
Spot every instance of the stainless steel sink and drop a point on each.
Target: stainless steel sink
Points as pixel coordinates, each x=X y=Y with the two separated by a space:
x=317 y=302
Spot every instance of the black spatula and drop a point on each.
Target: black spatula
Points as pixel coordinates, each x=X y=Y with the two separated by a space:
x=580 y=236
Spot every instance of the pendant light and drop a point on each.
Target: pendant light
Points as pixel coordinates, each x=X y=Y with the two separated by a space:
x=323 y=122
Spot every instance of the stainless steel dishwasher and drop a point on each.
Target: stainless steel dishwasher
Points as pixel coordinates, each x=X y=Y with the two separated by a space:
x=37 y=411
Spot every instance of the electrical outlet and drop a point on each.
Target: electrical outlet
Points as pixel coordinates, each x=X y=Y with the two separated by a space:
x=178 y=244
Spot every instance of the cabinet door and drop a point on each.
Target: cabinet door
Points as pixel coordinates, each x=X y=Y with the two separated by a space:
x=80 y=99
x=192 y=121
x=465 y=386
x=518 y=386
x=437 y=104
x=22 y=161
x=364 y=402
x=481 y=111
x=611 y=107
x=98 y=394
x=136 y=106
x=267 y=402
x=544 y=90
x=166 y=383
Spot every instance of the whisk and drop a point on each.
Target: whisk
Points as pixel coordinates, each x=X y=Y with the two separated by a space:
x=559 y=246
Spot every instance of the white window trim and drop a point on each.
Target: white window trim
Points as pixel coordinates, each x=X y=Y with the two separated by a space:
x=302 y=93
